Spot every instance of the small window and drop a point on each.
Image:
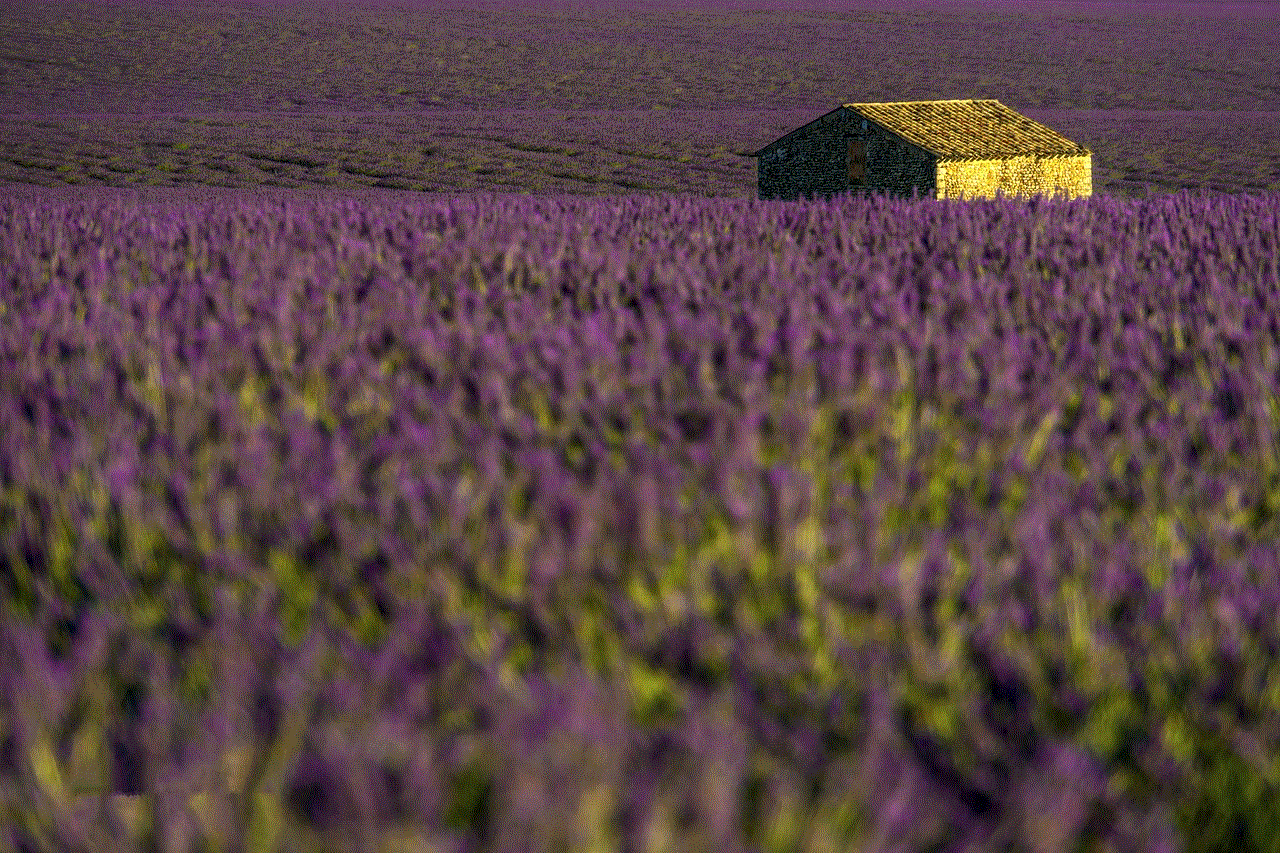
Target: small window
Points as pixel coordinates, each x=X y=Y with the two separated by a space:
x=857 y=162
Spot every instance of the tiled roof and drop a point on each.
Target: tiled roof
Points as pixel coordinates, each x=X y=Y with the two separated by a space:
x=967 y=129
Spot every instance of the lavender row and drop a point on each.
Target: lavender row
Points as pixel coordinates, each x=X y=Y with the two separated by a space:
x=556 y=152
x=141 y=56
x=514 y=523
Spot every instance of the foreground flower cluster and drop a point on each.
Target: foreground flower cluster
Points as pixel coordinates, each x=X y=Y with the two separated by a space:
x=512 y=523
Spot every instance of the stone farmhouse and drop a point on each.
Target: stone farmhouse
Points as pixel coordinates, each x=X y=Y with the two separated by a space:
x=943 y=149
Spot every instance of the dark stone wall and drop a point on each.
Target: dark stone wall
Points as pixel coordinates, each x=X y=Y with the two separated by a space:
x=814 y=161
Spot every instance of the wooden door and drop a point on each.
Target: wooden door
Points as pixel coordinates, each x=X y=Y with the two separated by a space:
x=857 y=162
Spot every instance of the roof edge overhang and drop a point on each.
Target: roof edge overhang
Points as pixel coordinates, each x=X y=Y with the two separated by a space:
x=791 y=133
x=1039 y=155
x=854 y=108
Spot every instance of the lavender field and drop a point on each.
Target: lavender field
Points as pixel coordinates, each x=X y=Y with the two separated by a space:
x=657 y=523
x=414 y=435
x=611 y=98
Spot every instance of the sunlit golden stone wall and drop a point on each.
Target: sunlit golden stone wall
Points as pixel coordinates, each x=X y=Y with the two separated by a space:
x=1024 y=176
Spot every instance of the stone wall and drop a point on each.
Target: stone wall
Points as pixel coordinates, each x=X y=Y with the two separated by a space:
x=807 y=162
x=1022 y=176
x=814 y=160
x=897 y=167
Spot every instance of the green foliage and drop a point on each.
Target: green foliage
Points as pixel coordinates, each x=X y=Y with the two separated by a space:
x=470 y=803
x=355 y=611
x=41 y=549
x=298 y=591
x=654 y=697
x=266 y=822
x=1230 y=803
x=1114 y=726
